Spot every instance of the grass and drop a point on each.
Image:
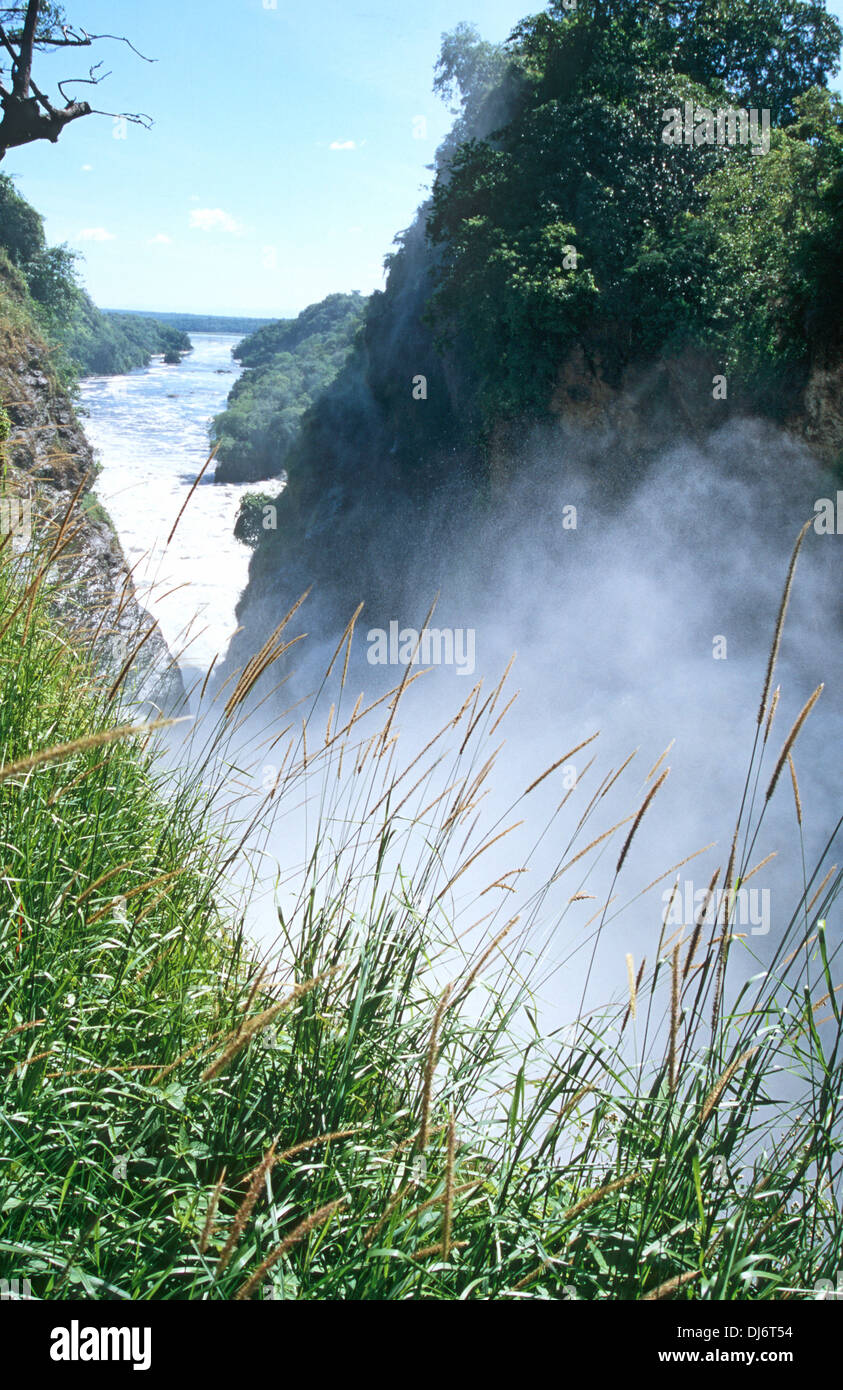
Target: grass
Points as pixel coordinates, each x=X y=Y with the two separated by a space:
x=369 y=1109
x=16 y=309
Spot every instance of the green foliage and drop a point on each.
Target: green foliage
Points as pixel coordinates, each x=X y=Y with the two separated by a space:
x=88 y=342
x=152 y=1062
x=21 y=227
x=16 y=307
x=761 y=53
x=467 y=65
x=288 y=364
x=138 y=338
x=327 y=321
x=51 y=277
x=475 y=77
x=249 y=527
x=98 y=344
x=766 y=249
x=589 y=177
x=720 y=248
x=819 y=296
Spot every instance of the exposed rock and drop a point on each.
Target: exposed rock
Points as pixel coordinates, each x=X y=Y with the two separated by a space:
x=352 y=502
x=47 y=459
x=820 y=422
x=653 y=405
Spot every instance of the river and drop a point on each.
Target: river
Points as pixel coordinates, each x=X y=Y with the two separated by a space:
x=150 y=431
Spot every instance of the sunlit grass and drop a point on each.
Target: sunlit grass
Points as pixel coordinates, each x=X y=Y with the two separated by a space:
x=370 y=1109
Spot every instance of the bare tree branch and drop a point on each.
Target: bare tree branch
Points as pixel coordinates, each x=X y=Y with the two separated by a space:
x=133 y=117
x=82 y=39
x=28 y=114
x=90 y=81
x=121 y=38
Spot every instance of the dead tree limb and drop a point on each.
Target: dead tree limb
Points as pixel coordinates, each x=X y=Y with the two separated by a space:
x=28 y=114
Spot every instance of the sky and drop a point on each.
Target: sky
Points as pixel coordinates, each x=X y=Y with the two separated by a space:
x=289 y=147
x=290 y=144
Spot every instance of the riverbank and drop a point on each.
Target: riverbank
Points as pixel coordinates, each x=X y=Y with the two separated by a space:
x=47 y=461
x=149 y=431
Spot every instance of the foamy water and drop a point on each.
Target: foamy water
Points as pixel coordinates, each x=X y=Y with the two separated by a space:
x=150 y=431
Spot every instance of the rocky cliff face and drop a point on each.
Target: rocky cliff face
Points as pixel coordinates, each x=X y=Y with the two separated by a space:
x=820 y=420
x=355 y=518
x=654 y=404
x=47 y=460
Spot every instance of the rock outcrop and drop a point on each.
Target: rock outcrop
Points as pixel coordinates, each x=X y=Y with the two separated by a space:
x=47 y=461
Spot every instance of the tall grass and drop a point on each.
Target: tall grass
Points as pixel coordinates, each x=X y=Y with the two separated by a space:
x=369 y=1108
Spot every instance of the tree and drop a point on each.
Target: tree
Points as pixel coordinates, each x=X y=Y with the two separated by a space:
x=21 y=227
x=51 y=277
x=28 y=113
x=474 y=78
x=250 y=524
x=573 y=225
x=760 y=53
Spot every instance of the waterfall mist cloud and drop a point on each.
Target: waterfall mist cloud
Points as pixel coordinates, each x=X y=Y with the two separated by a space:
x=650 y=621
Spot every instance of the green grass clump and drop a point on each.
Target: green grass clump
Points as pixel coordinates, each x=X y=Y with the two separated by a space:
x=369 y=1107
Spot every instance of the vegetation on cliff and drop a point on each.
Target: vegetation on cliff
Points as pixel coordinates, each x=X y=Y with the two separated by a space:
x=574 y=223
x=370 y=1110
x=568 y=250
x=85 y=341
x=289 y=363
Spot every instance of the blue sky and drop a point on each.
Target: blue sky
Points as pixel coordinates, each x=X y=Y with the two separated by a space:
x=284 y=157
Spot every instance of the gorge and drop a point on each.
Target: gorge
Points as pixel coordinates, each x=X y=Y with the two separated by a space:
x=421 y=707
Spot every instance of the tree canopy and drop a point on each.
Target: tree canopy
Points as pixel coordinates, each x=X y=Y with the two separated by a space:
x=573 y=222
x=86 y=342
x=288 y=363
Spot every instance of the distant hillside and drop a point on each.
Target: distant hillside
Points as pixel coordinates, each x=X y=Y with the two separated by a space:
x=101 y=344
x=83 y=340
x=289 y=363
x=194 y=323
x=327 y=320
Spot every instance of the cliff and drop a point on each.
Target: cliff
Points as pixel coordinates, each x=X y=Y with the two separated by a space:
x=379 y=477
x=46 y=460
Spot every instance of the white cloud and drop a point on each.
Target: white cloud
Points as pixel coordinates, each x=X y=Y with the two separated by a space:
x=213 y=219
x=86 y=168
x=95 y=234
x=160 y=239
x=343 y=145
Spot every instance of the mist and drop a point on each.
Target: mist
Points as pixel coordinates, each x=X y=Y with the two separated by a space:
x=646 y=619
